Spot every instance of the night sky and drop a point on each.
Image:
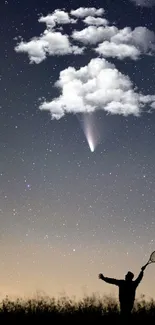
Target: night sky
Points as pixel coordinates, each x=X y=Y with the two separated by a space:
x=67 y=213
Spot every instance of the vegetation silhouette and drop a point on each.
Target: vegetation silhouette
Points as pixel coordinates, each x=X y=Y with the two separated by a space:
x=94 y=309
x=127 y=290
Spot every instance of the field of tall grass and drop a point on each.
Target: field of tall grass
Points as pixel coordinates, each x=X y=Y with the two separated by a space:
x=93 y=309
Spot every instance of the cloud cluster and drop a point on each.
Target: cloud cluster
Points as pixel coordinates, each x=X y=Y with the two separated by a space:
x=144 y=3
x=98 y=85
x=138 y=41
x=52 y=42
x=109 y=40
x=49 y=43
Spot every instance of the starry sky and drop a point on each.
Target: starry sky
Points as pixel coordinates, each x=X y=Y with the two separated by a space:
x=66 y=213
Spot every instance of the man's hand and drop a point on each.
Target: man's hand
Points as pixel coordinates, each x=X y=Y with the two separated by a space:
x=101 y=276
x=143 y=268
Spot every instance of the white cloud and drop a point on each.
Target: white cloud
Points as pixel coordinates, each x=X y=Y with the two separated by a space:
x=93 y=34
x=120 y=51
x=144 y=3
x=49 y=43
x=35 y=50
x=98 y=85
x=147 y=98
x=95 y=21
x=141 y=37
x=84 y=12
x=57 y=17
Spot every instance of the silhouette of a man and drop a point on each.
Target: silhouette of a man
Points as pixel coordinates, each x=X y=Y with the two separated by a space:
x=127 y=290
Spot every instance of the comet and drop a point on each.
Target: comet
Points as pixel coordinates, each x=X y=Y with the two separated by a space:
x=90 y=137
x=89 y=126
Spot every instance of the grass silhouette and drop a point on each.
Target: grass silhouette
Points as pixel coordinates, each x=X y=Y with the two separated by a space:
x=93 y=309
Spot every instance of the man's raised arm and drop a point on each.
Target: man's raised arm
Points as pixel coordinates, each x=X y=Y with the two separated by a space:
x=109 y=280
x=140 y=276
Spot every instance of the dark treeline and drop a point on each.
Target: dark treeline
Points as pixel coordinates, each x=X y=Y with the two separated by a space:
x=94 y=309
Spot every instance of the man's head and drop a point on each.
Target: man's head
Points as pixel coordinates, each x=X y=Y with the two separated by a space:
x=129 y=276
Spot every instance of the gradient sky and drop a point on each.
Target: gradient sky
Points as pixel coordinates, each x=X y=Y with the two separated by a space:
x=67 y=214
